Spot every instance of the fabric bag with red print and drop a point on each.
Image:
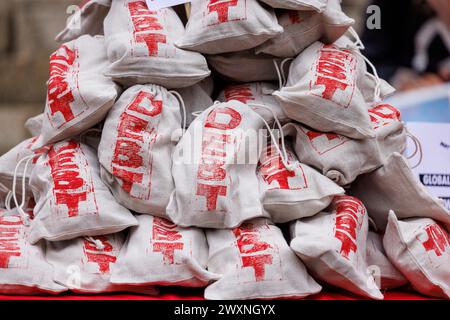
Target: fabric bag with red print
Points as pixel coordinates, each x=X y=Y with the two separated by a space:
x=385 y=273
x=256 y=263
x=140 y=47
x=84 y=264
x=23 y=268
x=339 y=158
x=78 y=95
x=218 y=26
x=214 y=169
x=19 y=161
x=245 y=66
x=394 y=187
x=197 y=98
x=291 y=195
x=391 y=132
x=303 y=28
x=316 y=5
x=420 y=249
x=87 y=19
x=332 y=244
x=158 y=252
x=136 y=148
x=71 y=199
x=258 y=95
x=34 y=125
x=322 y=91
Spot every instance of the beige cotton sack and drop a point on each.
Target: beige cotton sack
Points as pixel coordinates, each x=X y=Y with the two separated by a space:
x=141 y=50
x=218 y=26
x=394 y=187
x=83 y=265
x=136 y=148
x=256 y=263
x=78 y=96
x=322 y=91
x=291 y=195
x=87 y=19
x=420 y=249
x=333 y=244
x=71 y=199
x=158 y=252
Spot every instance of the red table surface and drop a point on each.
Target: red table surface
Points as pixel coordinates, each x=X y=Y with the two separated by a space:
x=197 y=294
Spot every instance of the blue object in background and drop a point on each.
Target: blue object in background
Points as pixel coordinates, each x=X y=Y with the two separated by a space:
x=424 y=105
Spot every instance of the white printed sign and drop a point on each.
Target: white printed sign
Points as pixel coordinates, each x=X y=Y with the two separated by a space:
x=159 y=4
x=434 y=170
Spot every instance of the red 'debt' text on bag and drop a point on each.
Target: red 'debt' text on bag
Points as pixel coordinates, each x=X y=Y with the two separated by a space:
x=256 y=263
x=214 y=169
x=23 y=268
x=136 y=148
x=332 y=244
x=218 y=26
x=420 y=249
x=158 y=252
x=71 y=199
x=84 y=264
x=141 y=50
x=78 y=95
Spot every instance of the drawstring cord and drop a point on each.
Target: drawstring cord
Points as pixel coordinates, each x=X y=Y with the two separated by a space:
x=23 y=214
x=183 y=107
x=359 y=45
x=282 y=151
x=8 y=201
x=418 y=148
x=282 y=79
x=98 y=244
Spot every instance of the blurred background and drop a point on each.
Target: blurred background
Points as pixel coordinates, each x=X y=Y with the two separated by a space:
x=28 y=28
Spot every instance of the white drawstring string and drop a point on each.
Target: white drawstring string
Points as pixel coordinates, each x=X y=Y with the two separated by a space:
x=183 y=106
x=283 y=74
x=358 y=43
x=98 y=244
x=377 y=93
x=283 y=152
x=418 y=146
x=196 y=114
x=8 y=201
x=282 y=79
x=23 y=214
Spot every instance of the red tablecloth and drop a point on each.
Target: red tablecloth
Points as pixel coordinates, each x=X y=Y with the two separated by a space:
x=197 y=294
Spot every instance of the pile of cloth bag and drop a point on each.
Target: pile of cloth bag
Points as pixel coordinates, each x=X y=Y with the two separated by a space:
x=147 y=169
